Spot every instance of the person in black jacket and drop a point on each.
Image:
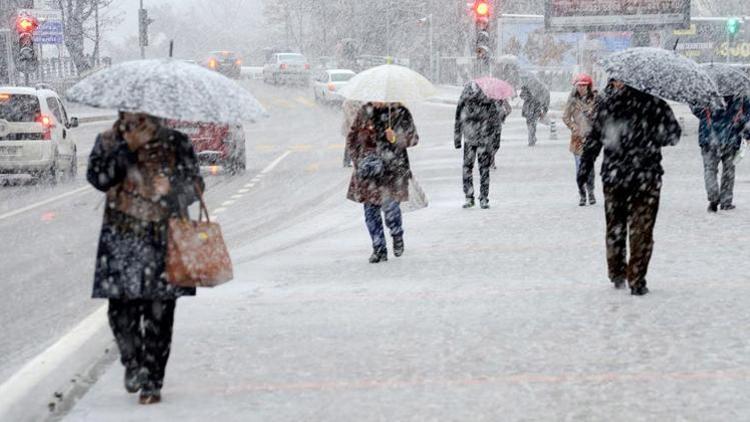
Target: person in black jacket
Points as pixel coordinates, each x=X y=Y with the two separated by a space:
x=631 y=127
x=479 y=121
x=149 y=174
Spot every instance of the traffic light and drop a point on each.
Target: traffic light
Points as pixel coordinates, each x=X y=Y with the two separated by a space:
x=482 y=11
x=25 y=26
x=733 y=26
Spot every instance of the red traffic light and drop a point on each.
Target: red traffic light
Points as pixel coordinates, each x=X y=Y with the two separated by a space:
x=482 y=8
x=26 y=24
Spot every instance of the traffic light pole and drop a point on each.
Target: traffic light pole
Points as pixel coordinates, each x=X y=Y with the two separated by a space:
x=143 y=48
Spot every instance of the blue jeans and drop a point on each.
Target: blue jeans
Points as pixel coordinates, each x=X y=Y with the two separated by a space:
x=589 y=183
x=374 y=221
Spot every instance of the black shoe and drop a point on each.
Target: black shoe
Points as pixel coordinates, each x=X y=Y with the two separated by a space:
x=484 y=204
x=379 y=256
x=398 y=245
x=728 y=207
x=592 y=199
x=619 y=283
x=582 y=201
x=639 y=290
x=133 y=379
x=713 y=206
x=150 y=396
x=469 y=203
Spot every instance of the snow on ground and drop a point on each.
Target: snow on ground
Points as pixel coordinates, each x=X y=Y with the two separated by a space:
x=503 y=314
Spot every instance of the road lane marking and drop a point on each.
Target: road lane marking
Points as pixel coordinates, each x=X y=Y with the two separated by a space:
x=335 y=146
x=243 y=191
x=305 y=101
x=250 y=185
x=227 y=203
x=219 y=210
x=312 y=168
x=45 y=202
x=236 y=196
x=275 y=163
x=302 y=147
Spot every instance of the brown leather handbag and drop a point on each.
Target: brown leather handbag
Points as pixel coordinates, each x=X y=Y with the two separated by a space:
x=196 y=253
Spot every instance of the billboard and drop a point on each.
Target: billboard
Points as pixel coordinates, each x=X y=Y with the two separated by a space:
x=706 y=41
x=525 y=38
x=615 y=15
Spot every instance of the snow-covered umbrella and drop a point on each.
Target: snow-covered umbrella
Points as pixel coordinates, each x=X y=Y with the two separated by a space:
x=388 y=84
x=495 y=89
x=536 y=88
x=729 y=81
x=170 y=89
x=664 y=74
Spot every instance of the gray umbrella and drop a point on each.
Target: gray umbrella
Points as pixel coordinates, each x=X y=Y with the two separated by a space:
x=728 y=80
x=170 y=89
x=536 y=87
x=664 y=74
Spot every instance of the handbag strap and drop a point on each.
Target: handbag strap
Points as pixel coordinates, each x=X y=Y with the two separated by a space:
x=203 y=207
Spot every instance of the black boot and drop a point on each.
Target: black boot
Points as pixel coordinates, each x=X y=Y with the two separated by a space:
x=592 y=198
x=639 y=289
x=713 y=207
x=484 y=203
x=728 y=207
x=582 y=200
x=379 y=255
x=150 y=395
x=398 y=245
x=469 y=203
x=134 y=378
x=619 y=283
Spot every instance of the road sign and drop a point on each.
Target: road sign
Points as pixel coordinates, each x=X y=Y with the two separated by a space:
x=51 y=29
x=615 y=15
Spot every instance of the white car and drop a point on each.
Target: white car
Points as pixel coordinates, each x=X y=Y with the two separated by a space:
x=327 y=83
x=287 y=68
x=35 y=134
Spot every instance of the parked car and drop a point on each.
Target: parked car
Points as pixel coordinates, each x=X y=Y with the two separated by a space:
x=228 y=63
x=35 y=134
x=327 y=83
x=216 y=144
x=287 y=68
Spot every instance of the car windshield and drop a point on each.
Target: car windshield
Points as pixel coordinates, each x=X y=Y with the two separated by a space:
x=341 y=77
x=292 y=58
x=19 y=108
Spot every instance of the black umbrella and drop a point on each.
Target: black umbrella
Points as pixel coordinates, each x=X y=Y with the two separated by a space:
x=664 y=74
x=728 y=80
x=537 y=88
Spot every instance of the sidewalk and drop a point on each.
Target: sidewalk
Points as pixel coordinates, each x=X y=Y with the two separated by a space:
x=503 y=314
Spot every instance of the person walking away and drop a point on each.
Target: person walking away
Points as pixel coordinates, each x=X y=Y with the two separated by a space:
x=350 y=108
x=720 y=137
x=533 y=109
x=478 y=127
x=377 y=143
x=504 y=109
x=149 y=173
x=578 y=117
x=631 y=127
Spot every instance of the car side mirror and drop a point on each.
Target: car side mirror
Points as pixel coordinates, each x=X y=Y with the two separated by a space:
x=73 y=122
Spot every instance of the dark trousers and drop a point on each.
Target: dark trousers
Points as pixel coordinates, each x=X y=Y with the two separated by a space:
x=143 y=331
x=483 y=155
x=589 y=185
x=712 y=157
x=631 y=216
x=531 y=126
x=374 y=221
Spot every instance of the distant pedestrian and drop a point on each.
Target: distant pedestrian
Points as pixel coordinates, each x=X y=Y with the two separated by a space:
x=534 y=109
x=478 y=126
x=578 y=116
x=377 y=144
x=149 y=174
x=350 y=108
x=631 y=127
x=720 y=137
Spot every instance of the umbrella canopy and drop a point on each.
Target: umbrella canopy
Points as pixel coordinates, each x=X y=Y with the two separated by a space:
x=664 y=74
x=389 y=84
x=536 y=87
x=729 y=81
x=495 y=88
x=170 y=89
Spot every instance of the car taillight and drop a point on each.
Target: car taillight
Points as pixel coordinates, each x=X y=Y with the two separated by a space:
x=238 y=62
x=331 y=86
x=307 y=66
x=47 y=124
x=283 y=66
x=212 y=64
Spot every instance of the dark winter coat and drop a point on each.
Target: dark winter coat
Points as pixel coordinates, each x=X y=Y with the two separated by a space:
x=132 y=248
x=533 y=107
x=725 y=124
x=479 y=119
x=631 y=127
x=367 y=136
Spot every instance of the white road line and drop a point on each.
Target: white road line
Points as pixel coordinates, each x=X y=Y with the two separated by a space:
x=227 y=203
x=243 y=191
x=275 y=163
x=218 y=210
x=250 y=185
x=36 y=370
x=236 y=196
x=45 y=202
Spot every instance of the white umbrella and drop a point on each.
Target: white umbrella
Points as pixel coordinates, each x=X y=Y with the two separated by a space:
x=388 y=84
x=170 y=89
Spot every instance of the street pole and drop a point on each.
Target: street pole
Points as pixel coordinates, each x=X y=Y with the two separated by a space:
x=143 y=48
x=432 y=55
